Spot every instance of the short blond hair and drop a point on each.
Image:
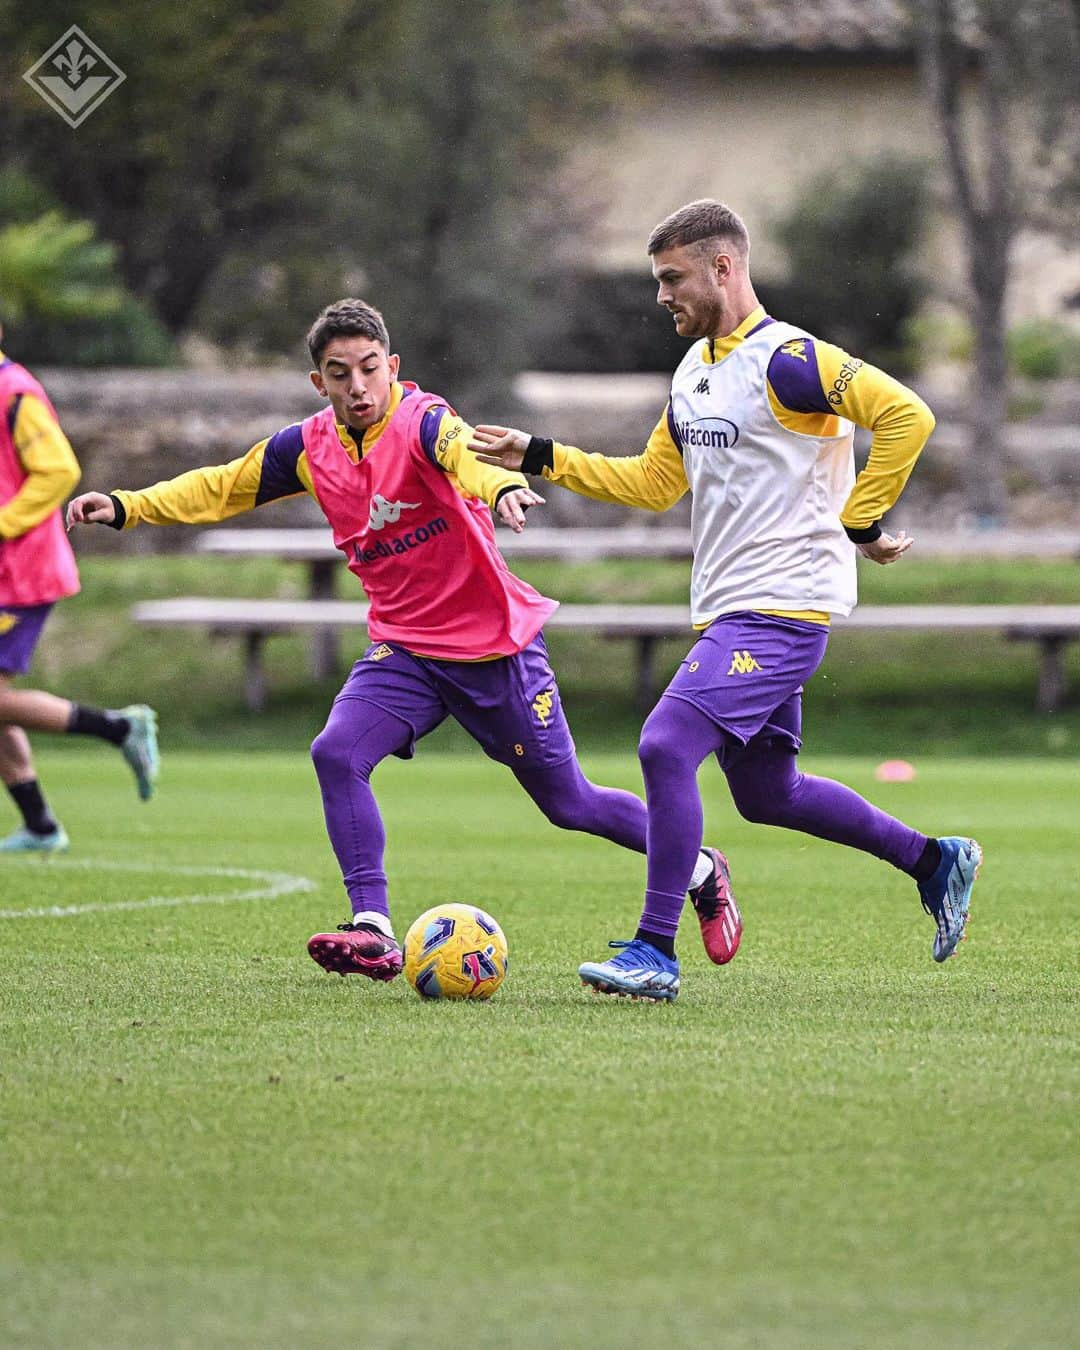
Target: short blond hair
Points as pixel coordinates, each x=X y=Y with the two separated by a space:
x=699 y=221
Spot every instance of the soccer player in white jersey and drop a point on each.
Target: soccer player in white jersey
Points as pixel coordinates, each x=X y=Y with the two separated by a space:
x=759 y=428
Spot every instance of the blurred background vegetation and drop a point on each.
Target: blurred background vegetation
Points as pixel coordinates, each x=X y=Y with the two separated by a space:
x=257 y=163
x=398 y=151
x=486 y=171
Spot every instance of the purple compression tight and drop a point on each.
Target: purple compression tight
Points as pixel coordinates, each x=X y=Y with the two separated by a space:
x=766 y=787
x=359 y=735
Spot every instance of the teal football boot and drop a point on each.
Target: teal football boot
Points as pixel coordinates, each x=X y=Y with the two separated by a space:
x=140 y=748
x=639 y=971
x=26 y=841
x=946 y=896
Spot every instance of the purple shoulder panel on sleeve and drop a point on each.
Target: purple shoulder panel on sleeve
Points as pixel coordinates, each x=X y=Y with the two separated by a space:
x=280 y=458
x=795 y=379
x=673 y=428
x=13 y=412
x=429 y=430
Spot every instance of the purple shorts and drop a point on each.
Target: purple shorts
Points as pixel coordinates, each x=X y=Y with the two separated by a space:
x=20 y=628
x=746 y=673
x=511 y=705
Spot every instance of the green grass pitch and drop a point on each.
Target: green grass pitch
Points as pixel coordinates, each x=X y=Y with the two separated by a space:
x=208 y=1142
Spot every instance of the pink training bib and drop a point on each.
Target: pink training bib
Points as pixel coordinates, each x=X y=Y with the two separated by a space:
x=38 y=567
x=426 y=556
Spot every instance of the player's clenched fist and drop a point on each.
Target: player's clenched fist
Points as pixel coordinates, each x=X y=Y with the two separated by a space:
x=91 y=508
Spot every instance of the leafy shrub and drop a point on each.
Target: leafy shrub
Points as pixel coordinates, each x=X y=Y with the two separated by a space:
x=1043 y=349
x=60 y=289
x=851 y=240
x=934 y=336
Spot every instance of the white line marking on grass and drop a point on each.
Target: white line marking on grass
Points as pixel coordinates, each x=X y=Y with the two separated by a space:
x=271 y=886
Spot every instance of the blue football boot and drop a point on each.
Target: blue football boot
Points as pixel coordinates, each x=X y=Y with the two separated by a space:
x=140 y=748
x=946 y=897
x=639 y=971
x=26 y=841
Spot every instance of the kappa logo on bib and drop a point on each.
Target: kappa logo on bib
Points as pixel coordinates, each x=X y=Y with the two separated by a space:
x=388 y=513
x=708 y=433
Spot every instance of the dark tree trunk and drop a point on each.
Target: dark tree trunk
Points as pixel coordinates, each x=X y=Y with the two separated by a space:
x=982 y=182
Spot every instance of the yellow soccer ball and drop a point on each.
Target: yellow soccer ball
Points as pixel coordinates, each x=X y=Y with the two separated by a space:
x=455 y=951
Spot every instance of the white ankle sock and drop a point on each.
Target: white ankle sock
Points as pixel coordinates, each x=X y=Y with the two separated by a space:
x=702 y=870
x=374 y=919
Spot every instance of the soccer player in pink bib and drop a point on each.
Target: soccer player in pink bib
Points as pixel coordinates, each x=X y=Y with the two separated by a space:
x=453 y=632
x=37 y=568
x=759 y=428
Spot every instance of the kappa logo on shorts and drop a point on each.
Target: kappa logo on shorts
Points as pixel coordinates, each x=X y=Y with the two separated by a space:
x=742 y=663
x=380 y=653
x=7 y=623
x=541 y=705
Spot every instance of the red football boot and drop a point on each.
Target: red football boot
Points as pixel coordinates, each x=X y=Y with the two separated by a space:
x=718 y=914
x=356 y=949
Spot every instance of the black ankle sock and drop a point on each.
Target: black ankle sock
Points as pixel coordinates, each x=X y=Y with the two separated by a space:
x=96 y=722
x=36 y=815
x=660 y=941
x=929 y=861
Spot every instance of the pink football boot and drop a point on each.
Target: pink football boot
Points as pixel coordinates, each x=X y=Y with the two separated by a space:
x=357 y=950
x=718 y=914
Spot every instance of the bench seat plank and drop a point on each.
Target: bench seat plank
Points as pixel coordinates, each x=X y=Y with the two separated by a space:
x=1052 y=626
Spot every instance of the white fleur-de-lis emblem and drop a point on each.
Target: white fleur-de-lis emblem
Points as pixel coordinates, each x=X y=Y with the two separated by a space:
x=74 y=76
x=73 y=60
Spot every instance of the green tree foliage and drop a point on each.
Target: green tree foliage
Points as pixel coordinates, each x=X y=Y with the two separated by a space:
x=61 y=295
x=56 y=268
x=851 y=243
x=261 y=159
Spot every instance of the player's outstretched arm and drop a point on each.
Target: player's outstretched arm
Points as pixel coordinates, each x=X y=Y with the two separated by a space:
x=202 y=496
x=91 y=508
x=653 y=480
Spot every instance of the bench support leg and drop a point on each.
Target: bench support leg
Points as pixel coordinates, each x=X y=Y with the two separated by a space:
x=255 y=684
x=325 y=646
x=1051 y=690
x=646 y=692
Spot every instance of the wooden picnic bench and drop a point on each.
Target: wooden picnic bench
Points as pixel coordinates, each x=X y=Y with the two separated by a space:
x=1052 y=627
x=314 y=547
